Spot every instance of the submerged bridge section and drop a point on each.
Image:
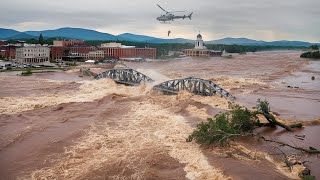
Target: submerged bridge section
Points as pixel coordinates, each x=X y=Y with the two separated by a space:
x=193 y=85
x=124 y=76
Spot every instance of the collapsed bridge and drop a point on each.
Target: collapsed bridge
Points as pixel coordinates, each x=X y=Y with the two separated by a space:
x=194 y=85
x=124 y=76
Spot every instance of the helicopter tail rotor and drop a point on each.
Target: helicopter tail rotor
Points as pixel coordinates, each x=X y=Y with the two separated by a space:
x=190 y=15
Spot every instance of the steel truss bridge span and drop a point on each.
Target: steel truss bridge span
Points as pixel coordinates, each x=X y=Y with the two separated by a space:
x=124 y=76
x=194 y=85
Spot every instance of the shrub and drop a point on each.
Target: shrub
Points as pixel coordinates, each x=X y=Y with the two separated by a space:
x=27 y=72
x=71 y=63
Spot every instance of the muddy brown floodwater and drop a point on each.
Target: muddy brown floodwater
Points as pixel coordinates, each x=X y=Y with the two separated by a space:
x=62 y=126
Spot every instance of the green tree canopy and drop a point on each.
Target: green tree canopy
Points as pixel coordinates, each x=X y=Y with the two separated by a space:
x=314 y=47
x=41 y=40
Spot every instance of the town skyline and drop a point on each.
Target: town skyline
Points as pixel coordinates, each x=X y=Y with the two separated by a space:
x=267 y=20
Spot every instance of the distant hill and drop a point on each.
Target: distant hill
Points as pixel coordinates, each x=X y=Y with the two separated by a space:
x=87 y=34
x=23 y=36
x=7 y=33
x=177 y=40
x=239 y=41
x=288 y=43
x=135 y=37
x=74 y=33
x=149 y=39
x=245 y=41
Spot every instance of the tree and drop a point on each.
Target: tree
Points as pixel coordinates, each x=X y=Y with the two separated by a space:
x=220 y=129
x=314 y=47
x=312 y=54
x=41 y=40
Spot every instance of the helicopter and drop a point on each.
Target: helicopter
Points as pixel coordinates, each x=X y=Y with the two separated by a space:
x=169 y=16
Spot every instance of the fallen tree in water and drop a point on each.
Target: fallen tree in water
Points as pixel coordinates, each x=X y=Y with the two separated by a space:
x=237 y=122
x=263 y=108
x=240 y=121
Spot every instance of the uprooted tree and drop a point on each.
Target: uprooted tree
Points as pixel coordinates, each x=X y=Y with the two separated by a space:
x=239 y=121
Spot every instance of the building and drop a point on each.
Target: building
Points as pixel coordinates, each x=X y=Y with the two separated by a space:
x=111 y=44
x=200 y=50
x=3 y=42
x=68 y=51
x=32 y=54
x=64 y=43
x=8 y=51
x=57 y=52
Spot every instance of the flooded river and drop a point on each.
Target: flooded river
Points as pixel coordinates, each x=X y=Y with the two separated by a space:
x=61 y=126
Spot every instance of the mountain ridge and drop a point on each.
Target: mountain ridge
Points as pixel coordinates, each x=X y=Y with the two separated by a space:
x=88 y=34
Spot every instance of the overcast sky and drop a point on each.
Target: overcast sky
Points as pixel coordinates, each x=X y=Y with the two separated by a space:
x=257 y=19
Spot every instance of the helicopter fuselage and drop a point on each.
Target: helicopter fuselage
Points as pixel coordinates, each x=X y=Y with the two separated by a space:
x=169 y=16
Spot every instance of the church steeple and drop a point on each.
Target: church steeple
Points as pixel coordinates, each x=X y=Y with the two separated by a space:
x=199 y=42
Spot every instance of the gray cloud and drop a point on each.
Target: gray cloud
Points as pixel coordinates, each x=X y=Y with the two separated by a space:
x=263 y=19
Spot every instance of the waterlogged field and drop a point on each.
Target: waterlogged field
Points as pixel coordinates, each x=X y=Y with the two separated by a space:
x=97 y=129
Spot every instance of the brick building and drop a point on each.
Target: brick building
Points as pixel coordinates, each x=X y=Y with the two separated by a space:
x=8 y=51
x=107 y=50
x=63 y=43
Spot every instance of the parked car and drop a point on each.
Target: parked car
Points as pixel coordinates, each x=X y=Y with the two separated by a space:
x=8 y=65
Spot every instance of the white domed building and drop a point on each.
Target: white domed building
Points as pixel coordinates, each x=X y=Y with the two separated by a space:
x=200 y=50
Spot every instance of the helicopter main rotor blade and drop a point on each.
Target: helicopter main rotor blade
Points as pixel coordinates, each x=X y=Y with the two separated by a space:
x=176 y=11
x=162 y=8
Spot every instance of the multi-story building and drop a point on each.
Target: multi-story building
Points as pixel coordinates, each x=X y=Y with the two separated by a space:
x=63 y=43
x=119 y=51
x=32 y=54
x=107 y=50
x=200 y=50
x=111 y=44
x=8 y=51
